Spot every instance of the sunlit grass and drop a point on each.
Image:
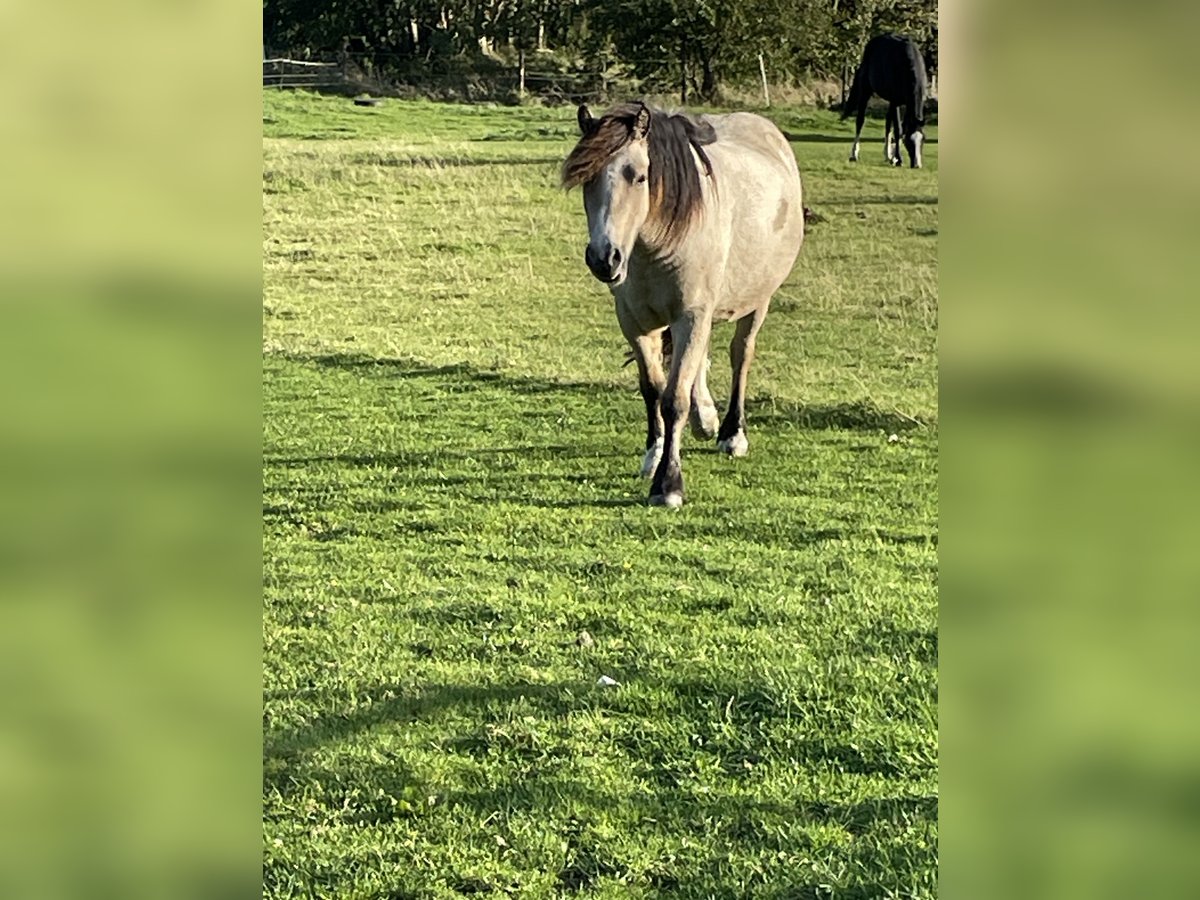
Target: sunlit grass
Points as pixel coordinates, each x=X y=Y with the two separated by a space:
x=457 y=547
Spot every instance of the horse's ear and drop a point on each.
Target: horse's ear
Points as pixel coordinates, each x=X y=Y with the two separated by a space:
x=641 y=125
x=586 y=122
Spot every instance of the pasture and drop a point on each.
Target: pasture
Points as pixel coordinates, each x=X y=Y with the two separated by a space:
x=457 y=546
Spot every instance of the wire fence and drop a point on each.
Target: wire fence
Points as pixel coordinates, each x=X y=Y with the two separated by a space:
x=282 y=72
x=384 y=73
x=395 y=74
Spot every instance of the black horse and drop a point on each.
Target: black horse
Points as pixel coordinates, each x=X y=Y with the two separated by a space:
x=892 y=67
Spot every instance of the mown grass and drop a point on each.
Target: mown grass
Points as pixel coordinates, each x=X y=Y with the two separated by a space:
x=457 y=548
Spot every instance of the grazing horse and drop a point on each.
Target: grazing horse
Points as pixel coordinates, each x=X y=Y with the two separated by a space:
x=690 y=220
x=892 y=67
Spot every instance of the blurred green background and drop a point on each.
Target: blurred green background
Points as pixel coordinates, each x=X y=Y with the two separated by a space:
x=129 y=272
x=1068 y=411
x=130 y=572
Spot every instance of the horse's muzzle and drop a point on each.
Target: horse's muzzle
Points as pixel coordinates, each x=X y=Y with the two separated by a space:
x=609 y=268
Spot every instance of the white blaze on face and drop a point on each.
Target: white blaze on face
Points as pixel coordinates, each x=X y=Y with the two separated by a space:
x=617 y=202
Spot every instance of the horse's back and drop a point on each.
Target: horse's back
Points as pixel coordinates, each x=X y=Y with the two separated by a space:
x=895 y=67
x=749 y=132
x=759 y=191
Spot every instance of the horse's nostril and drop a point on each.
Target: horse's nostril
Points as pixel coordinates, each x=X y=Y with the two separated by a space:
x=597 y=264
x=616 y=256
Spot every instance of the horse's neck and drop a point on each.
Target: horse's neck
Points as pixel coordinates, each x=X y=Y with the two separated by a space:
x=650 y=251
x=915 y=114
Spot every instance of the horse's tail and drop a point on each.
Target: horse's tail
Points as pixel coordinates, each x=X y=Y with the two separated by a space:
x=857 y=86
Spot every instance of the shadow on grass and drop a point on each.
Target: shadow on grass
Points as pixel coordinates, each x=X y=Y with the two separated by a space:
x=501 y=722
x=847 y=139
x=889 y=200
x=399 y=368
x=860 y=415
x=416 y=458
x=437 y=162
x=502 y=481
x=548 y=471
x=741 y=822
x=388 y=704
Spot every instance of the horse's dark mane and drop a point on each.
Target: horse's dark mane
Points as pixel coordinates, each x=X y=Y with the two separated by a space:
x=676 y=192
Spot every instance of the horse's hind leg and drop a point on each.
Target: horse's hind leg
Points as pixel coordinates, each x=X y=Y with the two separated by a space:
x=703 y=416
x=891 y=135
x=731 y=438
x=858 y=126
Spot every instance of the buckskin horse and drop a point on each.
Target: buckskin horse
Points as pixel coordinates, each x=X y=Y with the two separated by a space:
x=690 y=220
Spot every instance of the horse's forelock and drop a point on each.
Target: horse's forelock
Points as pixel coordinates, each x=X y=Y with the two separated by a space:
x=676 y=190
x=609 y=135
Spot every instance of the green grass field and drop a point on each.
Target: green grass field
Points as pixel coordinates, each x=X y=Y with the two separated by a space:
x=457 y=547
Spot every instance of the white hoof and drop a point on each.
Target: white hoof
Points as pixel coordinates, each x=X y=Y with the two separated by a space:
x=650 y=460
x=673 y=500
x=735 y=446
x=705 y=422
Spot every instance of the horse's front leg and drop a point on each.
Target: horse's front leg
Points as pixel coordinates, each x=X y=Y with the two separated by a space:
x=689 y=337
x=647 y=353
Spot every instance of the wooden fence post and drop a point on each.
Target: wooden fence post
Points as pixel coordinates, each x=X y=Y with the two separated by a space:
x=762 y=70
x=521 y=73
x=683 y=95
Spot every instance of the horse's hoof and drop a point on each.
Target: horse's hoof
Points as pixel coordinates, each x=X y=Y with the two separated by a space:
x=705 y=422
x=672 y=500
x=734 y=446
x=650 y=460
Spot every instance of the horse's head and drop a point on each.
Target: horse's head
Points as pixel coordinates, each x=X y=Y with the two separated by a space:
x=612 y=162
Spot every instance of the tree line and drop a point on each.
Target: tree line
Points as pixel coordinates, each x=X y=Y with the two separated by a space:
x=695 y=47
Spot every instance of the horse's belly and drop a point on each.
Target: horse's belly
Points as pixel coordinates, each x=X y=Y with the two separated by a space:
x=752 y=277
x=735 y=308
x=765 y=228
